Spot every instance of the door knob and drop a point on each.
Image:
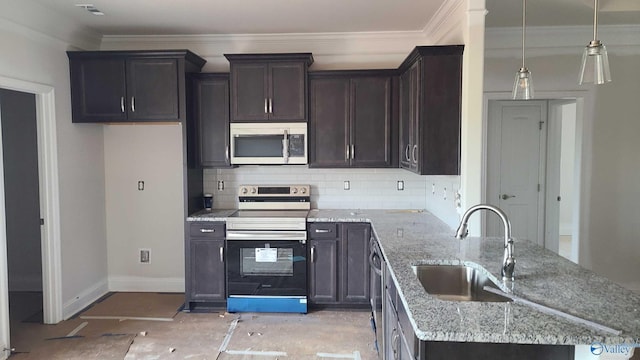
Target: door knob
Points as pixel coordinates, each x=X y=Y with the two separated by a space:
x=505 y=196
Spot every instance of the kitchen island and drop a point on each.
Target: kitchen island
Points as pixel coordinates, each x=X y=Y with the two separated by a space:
x=409 y=238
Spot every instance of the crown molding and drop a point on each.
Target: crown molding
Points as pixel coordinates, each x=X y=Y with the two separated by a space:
x=445 y=22
x=560 y=40
x=329 y=43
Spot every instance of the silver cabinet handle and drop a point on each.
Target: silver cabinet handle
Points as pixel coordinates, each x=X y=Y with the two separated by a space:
x=221 y=254
x=322 y=231
x=226 y=153
x=313 y=254
x=133 y=104
x=353 y=151
x=207 y=230
x=122 y=104
x=406 y=152
x=505 y=196
x=266 y=105
x=347 y=152
x=414 y=154
x=270 y=106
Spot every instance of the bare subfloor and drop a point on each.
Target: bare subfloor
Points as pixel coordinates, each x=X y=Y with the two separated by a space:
x=149 y=326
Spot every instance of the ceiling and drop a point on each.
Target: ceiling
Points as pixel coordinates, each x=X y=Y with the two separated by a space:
x=164 y=17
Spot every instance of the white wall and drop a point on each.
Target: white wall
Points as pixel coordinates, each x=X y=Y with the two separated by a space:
x=34 y=42
x=611 y=172
x=149 y=219
x=369 y=188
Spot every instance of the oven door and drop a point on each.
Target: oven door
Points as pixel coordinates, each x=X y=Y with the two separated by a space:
x=274 y=267
x=268 y=143
x=376 y=267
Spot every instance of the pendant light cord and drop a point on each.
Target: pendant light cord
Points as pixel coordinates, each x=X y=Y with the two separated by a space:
x=595 y=20
x=524 y=14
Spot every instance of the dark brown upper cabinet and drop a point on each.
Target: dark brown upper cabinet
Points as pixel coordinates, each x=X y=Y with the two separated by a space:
x=430 y=110
x=269 y=87
x=130 y=86
x=351 y=119
x=208 y=140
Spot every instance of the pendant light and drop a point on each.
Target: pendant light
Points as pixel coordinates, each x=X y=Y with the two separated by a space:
x=523 y=84
x=595 y=62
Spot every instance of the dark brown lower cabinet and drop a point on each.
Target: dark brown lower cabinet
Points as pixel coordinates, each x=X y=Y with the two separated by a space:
x=338 y=264
x=205 y=266
x=323 y=271
x=482 y=351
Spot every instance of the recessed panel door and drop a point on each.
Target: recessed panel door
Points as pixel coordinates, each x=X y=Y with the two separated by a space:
x=515 y=170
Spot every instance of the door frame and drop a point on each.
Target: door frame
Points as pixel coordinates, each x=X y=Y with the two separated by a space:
x=49 y=207
x=584 y=143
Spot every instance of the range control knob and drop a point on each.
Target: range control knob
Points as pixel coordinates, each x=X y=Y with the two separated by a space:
x=294 y=190
x=254 y=190
x=243 y=190
x=303 y=190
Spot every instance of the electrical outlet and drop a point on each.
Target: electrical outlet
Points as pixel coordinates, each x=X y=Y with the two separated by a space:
x=145 y=256
x=444 y=194
x=400 y=185
x=347 y=185
x=220 y=185
x=433 y=189
x=457 y=199
x=140 y=185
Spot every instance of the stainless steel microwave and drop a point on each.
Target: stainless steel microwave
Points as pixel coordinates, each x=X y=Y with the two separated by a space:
x=268 y=143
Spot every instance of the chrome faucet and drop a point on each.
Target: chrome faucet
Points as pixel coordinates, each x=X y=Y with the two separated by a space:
x=508 y=261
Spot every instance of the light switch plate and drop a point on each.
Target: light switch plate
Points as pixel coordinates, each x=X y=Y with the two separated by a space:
x=347 y=185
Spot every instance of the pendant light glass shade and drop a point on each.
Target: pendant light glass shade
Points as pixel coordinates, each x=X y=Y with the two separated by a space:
x=523 y=83
x=595 y=62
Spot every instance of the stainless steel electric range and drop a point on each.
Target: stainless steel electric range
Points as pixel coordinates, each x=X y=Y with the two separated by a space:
x=267 y=249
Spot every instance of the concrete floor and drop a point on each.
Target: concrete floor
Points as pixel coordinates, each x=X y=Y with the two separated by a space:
x=103 y=332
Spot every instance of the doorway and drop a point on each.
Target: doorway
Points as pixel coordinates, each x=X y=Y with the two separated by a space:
x=22 y=208
x=49 y=210
x=532 y=167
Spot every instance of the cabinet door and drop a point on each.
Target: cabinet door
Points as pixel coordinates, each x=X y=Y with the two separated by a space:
x=328 y=122
x=371 y=122
x=323 y=271
x=207 y=277
x=287 y=96
x=391 y=331
x=98 y=90
x=355 y=263
x=250 y=93
x=405 y=122
x=212 y=111
x=153 y=90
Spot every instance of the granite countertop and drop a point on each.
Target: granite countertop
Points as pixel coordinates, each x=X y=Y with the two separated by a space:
x=414 y=237
x=211 y=215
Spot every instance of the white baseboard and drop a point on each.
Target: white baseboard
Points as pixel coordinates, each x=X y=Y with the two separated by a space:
x=84 y=299
x=146 y=284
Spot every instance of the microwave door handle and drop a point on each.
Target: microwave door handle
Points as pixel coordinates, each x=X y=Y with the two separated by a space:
x=285 y=147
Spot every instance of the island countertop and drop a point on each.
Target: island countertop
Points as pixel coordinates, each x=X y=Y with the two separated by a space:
x=411 y=238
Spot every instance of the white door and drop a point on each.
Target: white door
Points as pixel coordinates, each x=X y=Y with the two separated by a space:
x=515 y=166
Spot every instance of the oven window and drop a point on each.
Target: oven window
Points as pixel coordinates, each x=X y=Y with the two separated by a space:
x=266 y=262
x=258 y=145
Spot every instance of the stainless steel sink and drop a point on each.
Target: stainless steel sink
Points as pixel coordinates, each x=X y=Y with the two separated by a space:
x=456 y=283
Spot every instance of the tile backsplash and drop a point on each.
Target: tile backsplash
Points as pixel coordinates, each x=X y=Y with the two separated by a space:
x=369 y=188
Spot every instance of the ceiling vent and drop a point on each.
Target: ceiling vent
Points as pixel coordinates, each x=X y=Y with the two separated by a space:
x=90 y=8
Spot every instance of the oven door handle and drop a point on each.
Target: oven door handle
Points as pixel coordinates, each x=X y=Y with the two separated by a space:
x=266 y=235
